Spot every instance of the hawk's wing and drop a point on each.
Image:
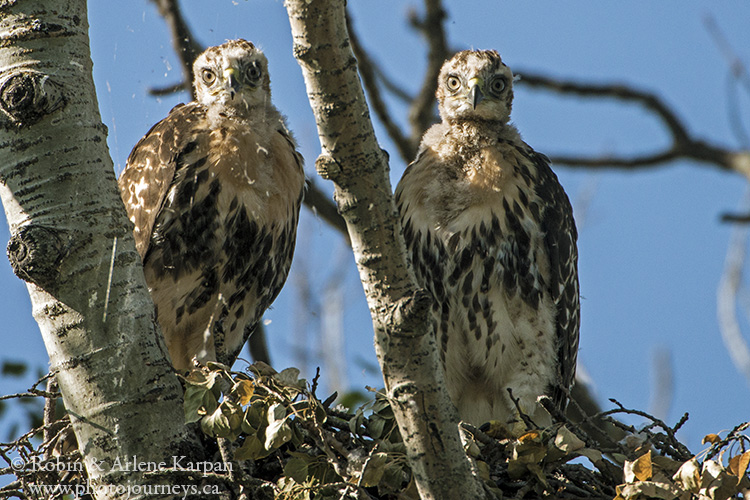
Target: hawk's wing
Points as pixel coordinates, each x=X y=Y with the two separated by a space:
x=560 y=239
x=152 y=164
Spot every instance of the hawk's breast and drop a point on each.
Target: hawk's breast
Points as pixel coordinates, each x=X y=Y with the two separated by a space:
x=223 y=242
x=477 y=245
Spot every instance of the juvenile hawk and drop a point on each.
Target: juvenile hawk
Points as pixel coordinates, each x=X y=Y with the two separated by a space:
x=491 y=236
x=214 y=191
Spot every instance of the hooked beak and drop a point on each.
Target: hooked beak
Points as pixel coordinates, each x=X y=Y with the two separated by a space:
x=231 y=79
x=475 y=92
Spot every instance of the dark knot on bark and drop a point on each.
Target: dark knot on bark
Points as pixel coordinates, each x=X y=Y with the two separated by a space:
x=27 y=96
x=35 y=253
x=409 y=317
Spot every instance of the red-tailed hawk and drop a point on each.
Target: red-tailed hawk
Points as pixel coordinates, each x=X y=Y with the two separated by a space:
x=491 y=236
x=214 y=192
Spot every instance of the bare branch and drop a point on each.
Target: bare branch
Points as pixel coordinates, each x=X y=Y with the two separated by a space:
x=735 y=218
x=669 y=445
x=50 y=405
x=617 y=91
x=391 y=86
x=325 y=209
x=183 y=41
x=585 y=411
x=683 y=145
x=170 y=89
x=422 y=107
x=422 y=111
x=636 y=162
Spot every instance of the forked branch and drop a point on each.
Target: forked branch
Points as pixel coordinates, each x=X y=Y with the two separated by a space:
x=683 y=143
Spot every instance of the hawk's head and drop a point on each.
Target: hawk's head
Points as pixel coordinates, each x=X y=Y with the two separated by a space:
x=475 y=85
x=233 y=76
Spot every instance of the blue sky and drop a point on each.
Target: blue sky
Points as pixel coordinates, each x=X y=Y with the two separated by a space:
x=651 y=245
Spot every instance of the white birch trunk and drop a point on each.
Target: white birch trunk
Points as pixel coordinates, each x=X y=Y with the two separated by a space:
x=72 y=244
x=352 y=159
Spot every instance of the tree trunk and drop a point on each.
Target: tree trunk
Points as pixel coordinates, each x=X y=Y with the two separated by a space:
x=352 y=159
x=71 y=242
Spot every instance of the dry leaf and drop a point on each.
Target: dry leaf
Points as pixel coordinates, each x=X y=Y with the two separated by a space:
x=529 y=436
x=244 y=390
x=716 y=483
x=567 y=441
x=647 y=489
x=688 y=476
x=639 y=469
x=711 y=438
x=738 y=464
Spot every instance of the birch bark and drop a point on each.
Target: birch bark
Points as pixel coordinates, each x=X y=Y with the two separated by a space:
x=71 y=242
x=352 y=159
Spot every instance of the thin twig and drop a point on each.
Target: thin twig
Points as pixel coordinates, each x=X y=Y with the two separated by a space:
x=530 y=424
x=50 y=407
x=734 y=434
x=736 y=65
x=738 y=74
x=676 y=448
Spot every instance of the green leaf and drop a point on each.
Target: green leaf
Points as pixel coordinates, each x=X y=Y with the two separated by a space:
x=278 y=431
x=289 y=377
x=394 y=477
x=375 y=426
x=296 y=468
x=253 y=419
x=353 y=399
x=251 y=449
x=374 y=469
x=216 y=424
x=224 y=422
x=234 y=415
x=199 y=401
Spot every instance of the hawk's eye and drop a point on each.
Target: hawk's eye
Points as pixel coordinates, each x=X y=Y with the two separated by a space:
x=208 y=76
x=453 y=82
x=253 y=72
x=497 y=85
